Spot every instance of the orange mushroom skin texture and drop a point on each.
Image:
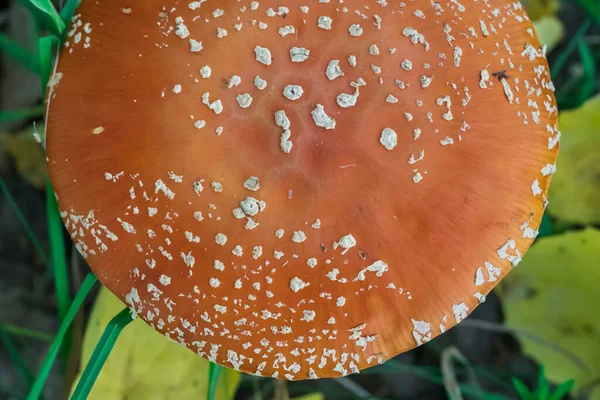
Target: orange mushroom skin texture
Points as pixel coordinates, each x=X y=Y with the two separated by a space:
x=326 y=239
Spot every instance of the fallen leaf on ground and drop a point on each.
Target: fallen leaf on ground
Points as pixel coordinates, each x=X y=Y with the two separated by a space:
x=554 y=294
x=575 y=191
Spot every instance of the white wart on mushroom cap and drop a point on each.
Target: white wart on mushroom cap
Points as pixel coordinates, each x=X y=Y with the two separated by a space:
x=175 y=196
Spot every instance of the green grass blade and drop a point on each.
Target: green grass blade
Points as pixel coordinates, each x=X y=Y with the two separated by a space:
x=213 y=378
x=589 y=72
x=15 y=358
x=46 y=60
x=46 y=15
x=23 y=221
x=22 y=114
x=38 y=385
x=562 y=390
x=15 y=51
x=523 y=391
x=100 y=354
x=59 y=261
x=69 y=10
x=25 y=332
x=545 y=228
x=592 y=7
x=561 y=60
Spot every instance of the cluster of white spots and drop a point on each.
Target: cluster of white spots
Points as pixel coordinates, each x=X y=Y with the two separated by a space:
x=415 y=37
x=389 y=138
x=293 y=92
x=299 y=54
x=321 y=119
x=421 y=332
x=460 y=311
x=503 y=252
x=263 y=55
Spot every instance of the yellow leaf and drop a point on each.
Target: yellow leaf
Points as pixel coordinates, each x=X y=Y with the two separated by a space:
x=537 y=9
x=554 y=293
x=550 y=30
x=30 y=160
x=143 y=365
x=575 y=191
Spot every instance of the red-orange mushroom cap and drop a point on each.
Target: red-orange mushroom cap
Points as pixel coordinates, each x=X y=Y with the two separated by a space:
x=302 y=189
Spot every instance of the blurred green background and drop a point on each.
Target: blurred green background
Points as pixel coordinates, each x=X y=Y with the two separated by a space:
x=536 y=337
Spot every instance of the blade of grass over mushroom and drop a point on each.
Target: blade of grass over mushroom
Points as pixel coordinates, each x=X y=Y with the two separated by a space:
x=26 y=333
x=17 y=210
x=59 y=261
x=15 y=357
x=101 y=353
x=46 y=15
x=46 y=61
x=38 y=386
x=589 y=73
x=15 y=51
x=68 y=11
x=213 y=378
x=21 y=114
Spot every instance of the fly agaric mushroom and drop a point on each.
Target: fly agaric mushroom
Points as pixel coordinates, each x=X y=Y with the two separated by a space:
x=302 y=191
